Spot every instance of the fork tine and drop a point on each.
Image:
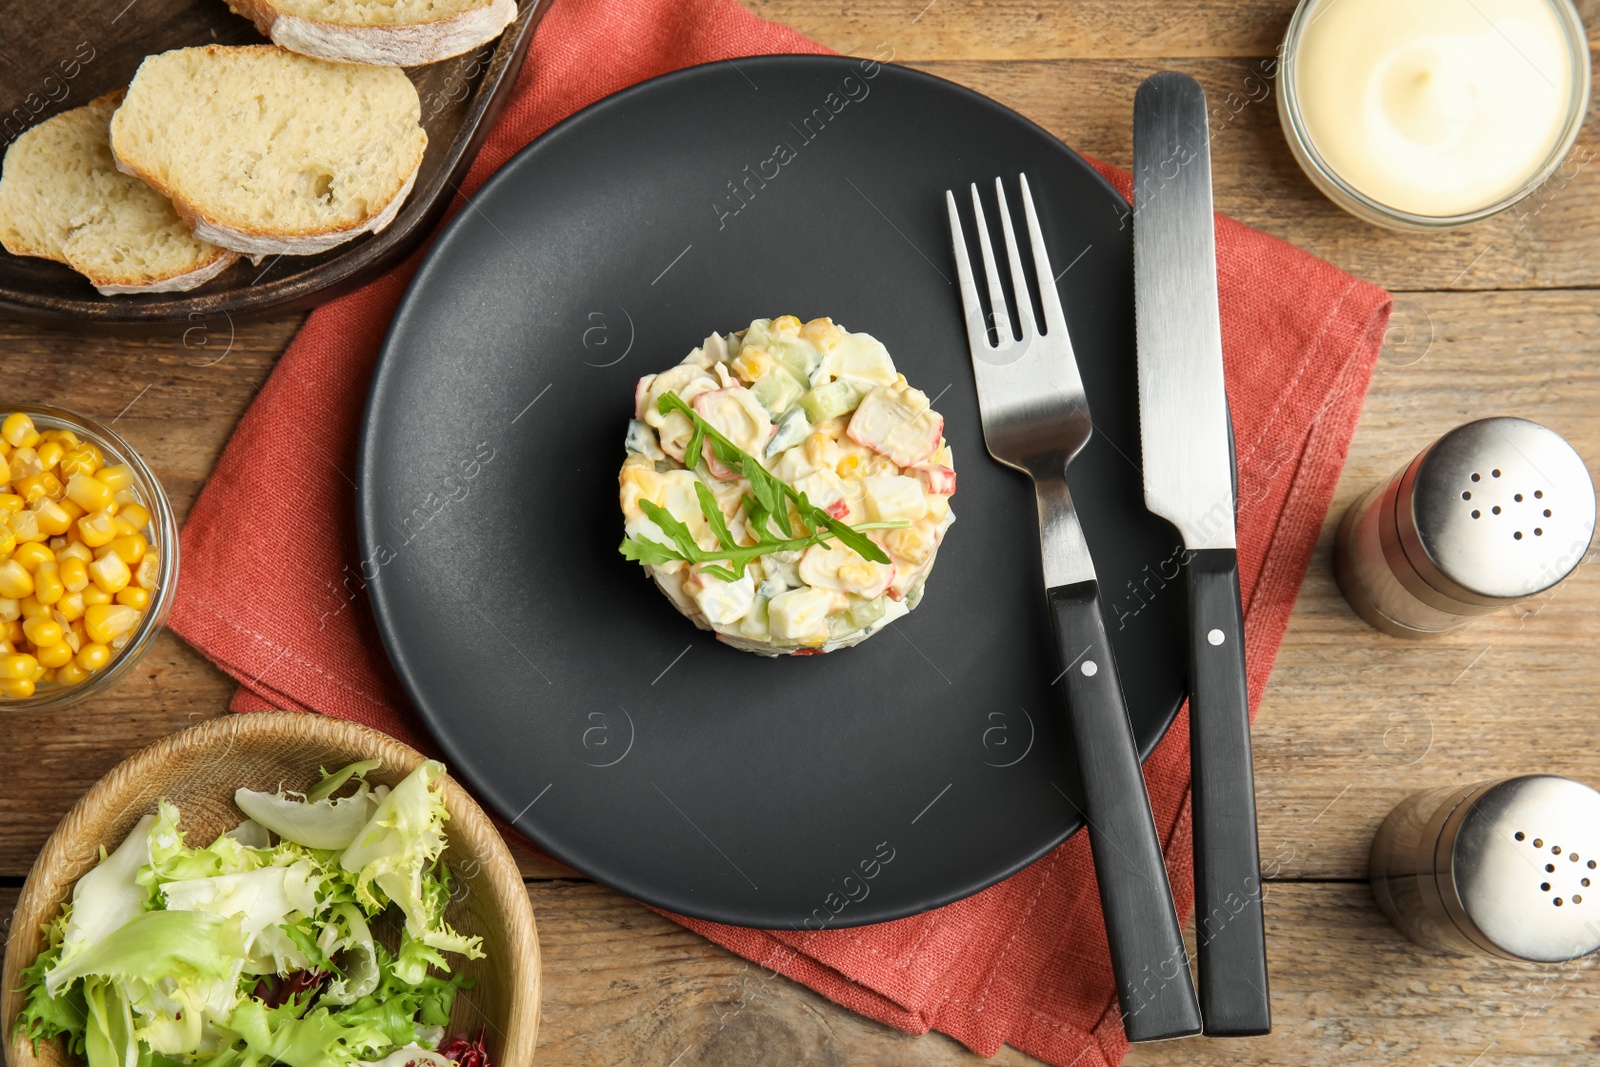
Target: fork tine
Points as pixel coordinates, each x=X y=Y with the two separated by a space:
x=997 y=293
x=1019 y=276
x=1055 y=322
x=977 y=333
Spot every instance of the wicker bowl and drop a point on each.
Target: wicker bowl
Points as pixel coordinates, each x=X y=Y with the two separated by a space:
x=199 y=768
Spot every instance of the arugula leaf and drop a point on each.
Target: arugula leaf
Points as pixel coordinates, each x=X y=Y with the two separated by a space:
x=847 y=535
x=714 y=516
x=650 y=553
x=673 y=527
x=767 y=502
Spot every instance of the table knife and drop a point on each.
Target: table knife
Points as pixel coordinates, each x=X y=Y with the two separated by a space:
x=1189 y=480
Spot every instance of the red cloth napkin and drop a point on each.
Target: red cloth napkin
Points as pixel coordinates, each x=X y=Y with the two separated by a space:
x=272 y=593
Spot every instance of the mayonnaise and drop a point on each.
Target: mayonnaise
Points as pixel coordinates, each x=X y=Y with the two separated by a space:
x=1435 y=107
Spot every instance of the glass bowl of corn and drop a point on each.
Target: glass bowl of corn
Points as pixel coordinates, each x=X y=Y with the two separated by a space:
x=88 y=557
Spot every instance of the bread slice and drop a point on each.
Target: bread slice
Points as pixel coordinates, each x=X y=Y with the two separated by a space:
x=403 y=33
x=62 y=198
x=269 y=152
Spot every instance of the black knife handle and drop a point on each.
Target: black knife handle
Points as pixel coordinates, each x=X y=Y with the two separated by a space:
x=1147 y=953
x=1229 y=934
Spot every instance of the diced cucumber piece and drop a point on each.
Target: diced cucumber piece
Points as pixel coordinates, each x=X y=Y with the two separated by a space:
x=777 y=390
x=790 y=432
x=641 y=441
x=830 y=401
x=802 y=359
x=864 y=613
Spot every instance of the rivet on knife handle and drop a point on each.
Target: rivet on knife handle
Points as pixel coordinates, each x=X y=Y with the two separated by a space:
x=1188 y=475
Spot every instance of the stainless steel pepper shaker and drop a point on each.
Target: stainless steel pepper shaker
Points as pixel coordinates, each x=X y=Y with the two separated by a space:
x=1503 y=868
x=1494 y=512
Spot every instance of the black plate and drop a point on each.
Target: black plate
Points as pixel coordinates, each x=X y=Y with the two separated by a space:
x=869 y=784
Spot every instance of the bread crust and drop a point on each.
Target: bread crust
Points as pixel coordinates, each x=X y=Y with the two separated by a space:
x=402 y=45
x=177 y=283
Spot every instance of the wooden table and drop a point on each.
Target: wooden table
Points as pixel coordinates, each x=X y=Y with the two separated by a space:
x=1498 y=318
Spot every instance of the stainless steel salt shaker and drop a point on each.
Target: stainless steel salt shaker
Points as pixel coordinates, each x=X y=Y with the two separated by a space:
x=1494 y=512
x=1503 y=868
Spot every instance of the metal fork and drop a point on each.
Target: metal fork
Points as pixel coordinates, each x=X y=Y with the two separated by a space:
x=1036 y=419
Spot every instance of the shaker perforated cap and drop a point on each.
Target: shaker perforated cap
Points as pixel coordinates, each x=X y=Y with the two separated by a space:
x=1498 y=509
x=1526 y=869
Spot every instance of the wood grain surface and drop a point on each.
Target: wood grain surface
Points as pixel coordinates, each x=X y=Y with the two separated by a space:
x=1501 y=318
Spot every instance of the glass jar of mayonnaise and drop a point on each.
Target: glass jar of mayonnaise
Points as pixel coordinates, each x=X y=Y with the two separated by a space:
x=1430 y=114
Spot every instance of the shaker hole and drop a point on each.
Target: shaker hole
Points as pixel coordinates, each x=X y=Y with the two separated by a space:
x=1577 y=899
x=1466 y=495
x=1547 y=513
x=1477 y=477
x=1591 y=865
x=1555 y=850
x=1538 y=494
x=1517 y=535
x=1558 y=902
x=1538 y=531
x=1517 y=498
x=1495 y=509
x=1495 y=473
x=1476 y=513
x=1521 y=836
x=1544 y=887
x=1585 y=883
x=1550 y=868
x=1538 y=842
x=1573 y=857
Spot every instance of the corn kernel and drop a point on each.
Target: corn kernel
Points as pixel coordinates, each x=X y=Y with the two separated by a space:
x=67 y=438
x=47 y=586
x=74 y=573
x=134 y=597
x=56 y=655
x=43 y=632
x=149 y=571
x=13 y=629
x=18 y=430
x=117 y=477
x=17 y=688
x=77 y=461
x=32 y=609
x=89 y=492
x=105 y=622
x=110 y=573
x=32 y=555
x=95 y=528
x=76 y=637
x=849 y=465
x=785 y=324
x=16 y=581
x=10 y=611
x=6 y=647
x=11 y=502
x=25 y=463
x=25 y=525
x=51 y=518
x=15 y=665
x=130 y=547
x=135 y=515
x=8 y=541
x=50 y=453
x=125 y=497
x=75 y=550
x=36 y=487
x=92 y=595
x=93 y=656
x=70 y=607
x=122 y=526
x=74 y=512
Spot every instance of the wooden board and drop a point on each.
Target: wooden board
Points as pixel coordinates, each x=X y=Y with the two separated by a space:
x=1352 y=720
x=63 y=54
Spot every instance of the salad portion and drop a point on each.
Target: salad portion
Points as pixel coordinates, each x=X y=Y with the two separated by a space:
x=263 y=947
x=786 y=487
